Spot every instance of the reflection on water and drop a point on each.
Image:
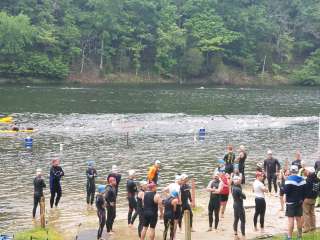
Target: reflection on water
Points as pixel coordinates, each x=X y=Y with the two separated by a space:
x=167 y=137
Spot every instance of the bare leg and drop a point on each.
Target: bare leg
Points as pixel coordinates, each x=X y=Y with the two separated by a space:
x=290 y=226
x=152 y=234
x=143 y=233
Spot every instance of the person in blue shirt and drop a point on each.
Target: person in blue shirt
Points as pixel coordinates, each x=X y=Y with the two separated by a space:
x=294 y=189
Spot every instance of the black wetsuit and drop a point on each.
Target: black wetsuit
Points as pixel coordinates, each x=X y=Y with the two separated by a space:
x=214 y=204
x=150 y=210
x=110 y=197
x=91 y=186
x=168 y=217
x=38 y=184
x=185 y=198
x=242 y=161
x=101 y=212
x=140 y=212
x=132 y=191
x=239 y=213
x=55 y=187
x=271 y=167
x=117 y=176
x=229 y=161
x=317 y=166
x=297 y=163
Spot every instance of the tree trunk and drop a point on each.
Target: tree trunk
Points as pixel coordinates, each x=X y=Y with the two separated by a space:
x=101 y=54
x=264 y=64
x=82 y=58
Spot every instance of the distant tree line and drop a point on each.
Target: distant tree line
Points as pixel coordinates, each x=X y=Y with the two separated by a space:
x=180 y=39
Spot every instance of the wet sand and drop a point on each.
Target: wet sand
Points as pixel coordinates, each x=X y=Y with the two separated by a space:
x=275 y=221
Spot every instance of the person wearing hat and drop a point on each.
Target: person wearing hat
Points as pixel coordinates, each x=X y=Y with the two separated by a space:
x=152 y=202
x=294 y=190
x=185 y=198
x=110 y=198
x=170 y=208
x=143 y=188
x=101 y=209
x=271 y=169
x=229 y=159
x=131 y=195
x=312 y=191
x=153 y=173
x=236 y=172
x=115 y=174
x=238 y=209
x=260 y=203
x=38 y=184
x=214 y=187
x=56 y=173
x=91 y=174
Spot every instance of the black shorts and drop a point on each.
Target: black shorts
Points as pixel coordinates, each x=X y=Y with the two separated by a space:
x=294 y=210
x=224 y=198
x=150 y=220
x=281 y=192
x=178 y=212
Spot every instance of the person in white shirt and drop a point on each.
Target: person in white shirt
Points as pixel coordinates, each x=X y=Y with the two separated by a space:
x=259 y=189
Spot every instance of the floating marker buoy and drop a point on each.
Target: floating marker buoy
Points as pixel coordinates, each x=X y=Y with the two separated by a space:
x=202 y=134
x=28 y=142
x=61 y=147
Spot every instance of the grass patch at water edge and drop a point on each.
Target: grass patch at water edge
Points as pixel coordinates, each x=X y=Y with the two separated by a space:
x=39 y=234
x=305 y=236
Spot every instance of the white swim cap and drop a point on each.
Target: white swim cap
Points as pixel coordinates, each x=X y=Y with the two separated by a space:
x=131 y=172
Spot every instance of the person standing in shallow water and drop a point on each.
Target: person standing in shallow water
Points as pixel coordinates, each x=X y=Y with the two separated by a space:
x=101 y=210
x=143 y=188
x=239 y=213
x=115 y=174
x=260 y=203
x=56 y=173
x=170 y=208
x=153 y=173
x=110 y=198
x=38 y=184
x=131 y=195
x=229 y=159
x=185 y=199
x=241 y=162
x=91 y=185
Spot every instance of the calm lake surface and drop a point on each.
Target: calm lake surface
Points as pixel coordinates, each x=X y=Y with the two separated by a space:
x=162 y=122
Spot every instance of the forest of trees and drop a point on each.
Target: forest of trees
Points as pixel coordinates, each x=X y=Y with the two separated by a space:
x=176 y=39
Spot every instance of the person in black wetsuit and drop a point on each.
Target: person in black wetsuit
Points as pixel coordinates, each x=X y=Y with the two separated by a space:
x=185 y=199
x=241 y=161
x=151 y=202
x=91 y=185
x=239 y=213
x=38 y=184
x=298 y=160
x=56 y=173
x=229 y=159
x=110 y=197
x=114 y=173
x=143 y=188
x=214 y=187
x=170 y=208
x=101 y=209
x=132 y=191
x=272 y=168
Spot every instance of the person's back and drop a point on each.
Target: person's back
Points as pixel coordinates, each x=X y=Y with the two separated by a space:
x=150 y=208
x=168 y=208
x=294 y=189
x=312 y=186
x=131 y=187
x=238 y=196
x=39 y=184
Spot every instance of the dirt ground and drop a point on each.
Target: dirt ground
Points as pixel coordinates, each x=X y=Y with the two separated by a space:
x=275 y=222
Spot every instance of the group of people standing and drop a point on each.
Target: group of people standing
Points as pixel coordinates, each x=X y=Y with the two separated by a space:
x=299 y=188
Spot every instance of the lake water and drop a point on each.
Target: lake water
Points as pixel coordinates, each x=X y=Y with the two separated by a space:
x=162 y=123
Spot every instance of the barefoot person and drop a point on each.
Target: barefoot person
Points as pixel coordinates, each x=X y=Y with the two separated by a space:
x=91 y=185
x=110 y=197
x=115 y=174
x=283 y=174
x=260 y=203
x=143 y=188
x=101 y=210
x=151 y=203
x=229 y=159
x=153 y=173
x=56 y=173
x=241 y=161
x=224 y=193
x=214 y=187
x=169 y=216
x=239 y=213
x=271 y=168
x=131 y=195
x=294 y=190
x=38 y=184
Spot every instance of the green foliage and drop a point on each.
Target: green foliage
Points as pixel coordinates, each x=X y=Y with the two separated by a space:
x=40 y=234
x=179 y=38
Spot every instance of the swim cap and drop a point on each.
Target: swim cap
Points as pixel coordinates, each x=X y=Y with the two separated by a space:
x=131 y=172
x=242 y=148
x=184 y=176
x=221 y=170
x=236 y=166
x=101 y=188
x=269 y=152
x=151 y=185
x=221 y=161
x=111 y=179
x=178 y=177
x=174 y=194
x=90 y=163
x=114 y=169
x=38 y=171
x=157 y=162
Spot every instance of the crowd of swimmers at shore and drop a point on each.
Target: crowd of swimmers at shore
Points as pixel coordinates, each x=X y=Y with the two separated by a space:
x=299 y=187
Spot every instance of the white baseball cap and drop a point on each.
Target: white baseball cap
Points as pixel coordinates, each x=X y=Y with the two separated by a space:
x=178 y=177
x=294 y=169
